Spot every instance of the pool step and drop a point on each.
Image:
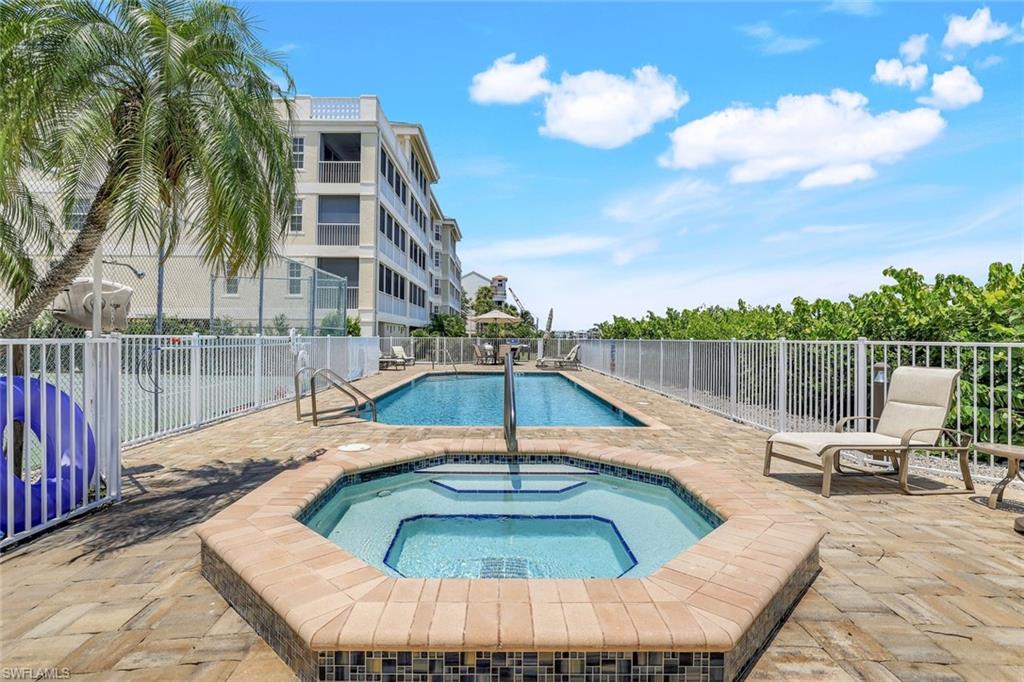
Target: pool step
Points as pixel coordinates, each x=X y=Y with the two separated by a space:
x=503 y=469
x=506 y=485
x=505 y=567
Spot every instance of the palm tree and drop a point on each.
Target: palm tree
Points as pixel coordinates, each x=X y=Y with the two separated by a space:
x=160 y=115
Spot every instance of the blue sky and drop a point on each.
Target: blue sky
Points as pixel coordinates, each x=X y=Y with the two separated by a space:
x=616 y=158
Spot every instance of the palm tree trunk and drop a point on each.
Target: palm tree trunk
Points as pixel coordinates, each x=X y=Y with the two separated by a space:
x=63 y=271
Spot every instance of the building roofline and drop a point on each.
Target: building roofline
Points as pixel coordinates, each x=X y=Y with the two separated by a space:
x=420 y=136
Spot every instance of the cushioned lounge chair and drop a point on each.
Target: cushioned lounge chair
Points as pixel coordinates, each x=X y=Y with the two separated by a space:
x=913 y=418
x=569 y=360
x=399 y=352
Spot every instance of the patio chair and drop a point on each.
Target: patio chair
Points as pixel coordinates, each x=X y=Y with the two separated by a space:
x=399 y=352
x=503 y=350
x=482 y=356
x=912 y=419
x=569 y=360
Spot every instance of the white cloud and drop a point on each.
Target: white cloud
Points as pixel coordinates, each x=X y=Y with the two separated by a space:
x=771 y=41
x=630 y=250
x=828 y=138
x=895 y=72
x=509 y=83
x=988 y=62
x=830 y=176
x=662 y=203
x=860 y=8
x=953 y=89
x=538 y=247
x=287 y=47
x=605 y=110
x=914 y=47
x=977 y=30
x=791 y=235
x=593 y=108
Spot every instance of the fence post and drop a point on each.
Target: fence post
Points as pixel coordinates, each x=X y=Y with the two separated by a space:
x=780 y=418
x=689 y=372
x=860 y=385
x=661 y=365
x=114 y=415
x=193 y=388
x=257 y=368
x=639 y=362
x=733 y=377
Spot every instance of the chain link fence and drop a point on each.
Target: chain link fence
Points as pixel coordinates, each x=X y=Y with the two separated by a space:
x=193 y=298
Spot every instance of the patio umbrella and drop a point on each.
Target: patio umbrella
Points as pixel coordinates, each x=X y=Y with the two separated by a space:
x=495 y=317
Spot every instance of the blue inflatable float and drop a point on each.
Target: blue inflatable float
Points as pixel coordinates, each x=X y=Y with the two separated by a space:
x=68 y=470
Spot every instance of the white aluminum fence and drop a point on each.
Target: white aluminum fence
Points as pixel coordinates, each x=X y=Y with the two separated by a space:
x=64 y=395
x=444 y=350
x=810 y=385
x=172 y=383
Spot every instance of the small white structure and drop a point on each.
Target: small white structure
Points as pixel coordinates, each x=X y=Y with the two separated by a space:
x=74 y=305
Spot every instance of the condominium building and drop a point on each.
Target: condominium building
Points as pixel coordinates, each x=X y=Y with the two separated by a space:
x=365 y=210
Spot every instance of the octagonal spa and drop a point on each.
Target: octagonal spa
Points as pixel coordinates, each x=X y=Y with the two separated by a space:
x=441 y=559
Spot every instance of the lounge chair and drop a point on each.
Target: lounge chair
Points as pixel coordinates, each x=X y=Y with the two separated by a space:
x=569 y=360
x=390 y=361
x=913 y=418
x=399 y=352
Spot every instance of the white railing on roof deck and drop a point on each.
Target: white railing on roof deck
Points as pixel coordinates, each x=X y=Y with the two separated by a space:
x=65 y=392
x=810 y=385
x=335 y=108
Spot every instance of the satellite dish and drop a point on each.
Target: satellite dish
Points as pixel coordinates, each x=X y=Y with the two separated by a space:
x=74 y=305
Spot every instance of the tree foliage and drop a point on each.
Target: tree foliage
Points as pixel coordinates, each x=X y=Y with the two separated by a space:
x=158 y=115
x=951 y=308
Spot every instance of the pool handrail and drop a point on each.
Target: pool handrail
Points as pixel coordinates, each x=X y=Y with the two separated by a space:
x=448 y=354
x=338 y=382
x=511 y=441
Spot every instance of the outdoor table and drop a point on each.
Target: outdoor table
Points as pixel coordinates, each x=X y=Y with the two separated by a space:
x=1013 y=454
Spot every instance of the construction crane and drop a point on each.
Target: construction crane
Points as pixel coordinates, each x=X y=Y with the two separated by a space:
x=519 y=304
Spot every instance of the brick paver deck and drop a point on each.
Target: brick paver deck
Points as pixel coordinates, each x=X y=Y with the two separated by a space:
x=911 y=588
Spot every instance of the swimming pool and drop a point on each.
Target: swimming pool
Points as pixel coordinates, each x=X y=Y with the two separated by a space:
x=542 y=399
x=519 y=520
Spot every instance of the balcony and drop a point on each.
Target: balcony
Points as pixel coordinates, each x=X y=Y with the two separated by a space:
x=329 y=298
x=386 y=303
x=337 y=234
x=339 y=171
x=419 y=313
x=388 y=248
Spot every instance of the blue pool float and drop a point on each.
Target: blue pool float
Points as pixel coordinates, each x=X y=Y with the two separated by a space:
x=73 y=466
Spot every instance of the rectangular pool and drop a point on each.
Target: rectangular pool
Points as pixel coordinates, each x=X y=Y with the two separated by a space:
x=542 y=399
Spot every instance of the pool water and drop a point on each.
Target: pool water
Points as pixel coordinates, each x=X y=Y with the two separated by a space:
x=542 y=399
x=501 y=520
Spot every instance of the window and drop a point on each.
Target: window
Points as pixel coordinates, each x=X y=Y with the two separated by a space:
x=294 y=279
x=78 y=212
x=231 y=286
x=298 y=153
x=296 y=224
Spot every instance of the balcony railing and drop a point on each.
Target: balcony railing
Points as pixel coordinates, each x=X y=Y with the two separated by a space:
x=339 y=171
x=329 y=297
x=418 y=313
x=388 y=248
x=337 y=234
x=386 y=303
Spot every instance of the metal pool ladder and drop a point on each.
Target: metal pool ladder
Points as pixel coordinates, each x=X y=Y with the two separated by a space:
x=511 y=442
x=447 y=354
x=339 y=383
